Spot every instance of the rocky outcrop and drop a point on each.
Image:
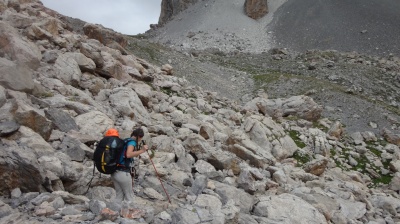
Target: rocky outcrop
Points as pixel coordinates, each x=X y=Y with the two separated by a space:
x=271 y=160
x=170 y=8
x=256 y=9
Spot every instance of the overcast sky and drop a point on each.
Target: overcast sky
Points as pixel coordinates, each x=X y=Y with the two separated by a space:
x=125 y=16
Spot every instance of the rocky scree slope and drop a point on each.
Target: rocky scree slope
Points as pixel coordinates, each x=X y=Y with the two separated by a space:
x=359 y=90
x=270 y=160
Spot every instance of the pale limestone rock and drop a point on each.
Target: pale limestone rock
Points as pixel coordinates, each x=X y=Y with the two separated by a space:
x=15 y=48
x=67 y=70
x=296 y=210
x=16 y=76
x=94 y=123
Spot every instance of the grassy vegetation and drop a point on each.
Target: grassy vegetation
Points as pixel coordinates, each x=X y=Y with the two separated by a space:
x=302 y=158
x=295 y=136
x=46 y=95
x=363 y=163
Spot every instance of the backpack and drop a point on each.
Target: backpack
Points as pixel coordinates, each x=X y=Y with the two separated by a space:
x=123 y=161
x=107 y=153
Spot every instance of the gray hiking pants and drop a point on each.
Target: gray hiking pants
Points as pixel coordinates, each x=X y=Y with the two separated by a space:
x=123 y=185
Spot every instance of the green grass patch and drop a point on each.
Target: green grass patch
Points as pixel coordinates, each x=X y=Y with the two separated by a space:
x=295 y=136
x=301 y=157
x=46 y=95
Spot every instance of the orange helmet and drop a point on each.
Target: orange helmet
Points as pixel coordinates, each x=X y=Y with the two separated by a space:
x=112 y=132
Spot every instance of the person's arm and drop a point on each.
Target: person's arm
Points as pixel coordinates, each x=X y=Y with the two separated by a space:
x=130 y=151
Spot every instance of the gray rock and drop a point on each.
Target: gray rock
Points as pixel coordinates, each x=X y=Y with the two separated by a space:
x=62 y=120
x=296 y=209
x=183 y=215
x=72 y=147
x=22 y=163
x=242 y=199
x=5 y=209
x=199 y=184
x=3 y=98
x=16 y=77
x=8 y=128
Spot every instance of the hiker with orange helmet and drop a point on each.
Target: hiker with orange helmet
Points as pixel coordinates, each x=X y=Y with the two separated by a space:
x=122 y=178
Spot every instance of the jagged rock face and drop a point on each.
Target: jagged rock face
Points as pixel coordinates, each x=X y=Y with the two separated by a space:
x=256 y=9
x=170 y=8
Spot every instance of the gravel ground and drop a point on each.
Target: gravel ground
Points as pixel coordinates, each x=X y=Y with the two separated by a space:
x=370 y=27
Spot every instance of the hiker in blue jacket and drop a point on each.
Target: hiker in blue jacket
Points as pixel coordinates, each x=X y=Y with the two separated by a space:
x=122 y=177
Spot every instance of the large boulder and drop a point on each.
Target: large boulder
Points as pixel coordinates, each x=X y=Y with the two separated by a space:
x=126 y=102
x=67 y=69
x=228 y=192
x=288 y=209
x=94 y=123
x=19 y=168
x=104 y=35
x=62 y=120
x=256 y=9
x=16 y=76
x=14 y=48
x=301 y=106
x=91 y=49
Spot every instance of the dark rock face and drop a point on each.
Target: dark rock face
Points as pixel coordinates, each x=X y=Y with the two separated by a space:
x=256 y=9
x=63 y=121
x=170 y=8
x=19 y=168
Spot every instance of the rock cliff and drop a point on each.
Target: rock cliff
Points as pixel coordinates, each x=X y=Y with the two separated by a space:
x=171 y=8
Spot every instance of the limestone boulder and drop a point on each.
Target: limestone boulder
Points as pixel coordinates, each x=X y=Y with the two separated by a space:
x=288 y=208
x=301 y=106
x=112 y=68
x=94 y=123
x=92 y=83
x=15 y=48
x=104 y=35
x=198 y=146
x=85 y=64
x=67 y=69
x=18 y=20
x=126 y=102
x=73 y=148
x=29 y=138
x=91 y=49
x=16 y=76
x=242 y=199
x=143 y=91
x=19 y=168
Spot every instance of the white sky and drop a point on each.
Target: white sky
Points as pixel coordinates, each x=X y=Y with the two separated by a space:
x=125 y=16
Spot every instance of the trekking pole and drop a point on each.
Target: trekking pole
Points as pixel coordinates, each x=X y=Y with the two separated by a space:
x=158 y=177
